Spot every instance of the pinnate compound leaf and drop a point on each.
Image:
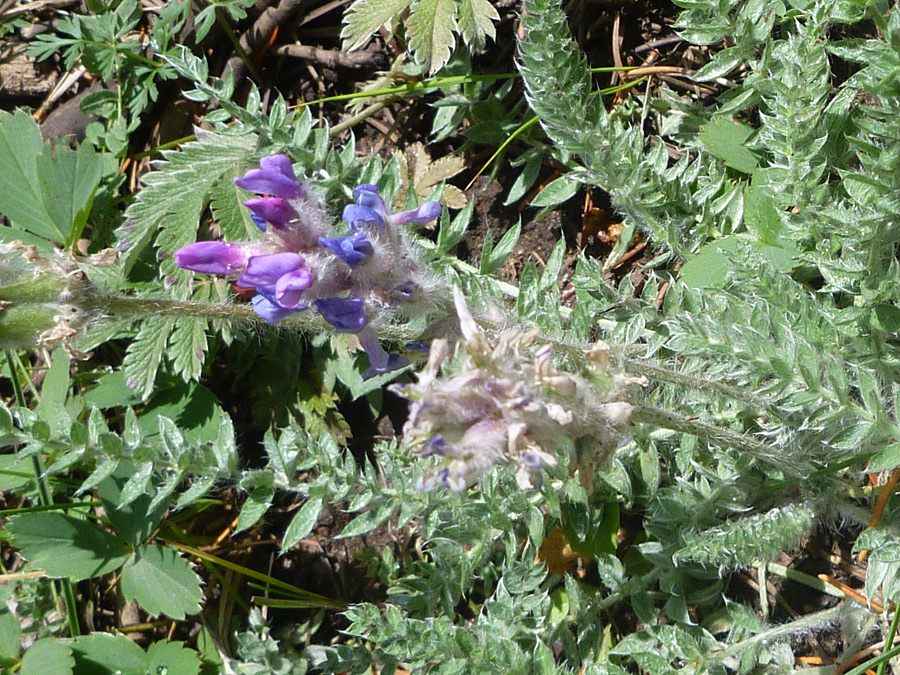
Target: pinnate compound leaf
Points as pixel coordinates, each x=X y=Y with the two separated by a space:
x=105 y=654
x=48 y=656
x=66 y=547
x=430 y=29
x=162 y=582
x=365 y=17
x=476 y=19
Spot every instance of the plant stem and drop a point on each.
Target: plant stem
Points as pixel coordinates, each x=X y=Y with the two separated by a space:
x=785 y=630
x=668 y=420
x=236 y=43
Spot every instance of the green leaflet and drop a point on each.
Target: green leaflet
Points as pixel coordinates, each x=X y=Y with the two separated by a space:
x=162 y=582
x=475 y=22
x=365 y=17
x=430 y=28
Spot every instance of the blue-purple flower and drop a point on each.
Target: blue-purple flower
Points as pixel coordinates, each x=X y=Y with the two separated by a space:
x=354 y=249
x=274 y=177
x=302 y=262
x=211 y=257
x=346 y=315
x=370 y=210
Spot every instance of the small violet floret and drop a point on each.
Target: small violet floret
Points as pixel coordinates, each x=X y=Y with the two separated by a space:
x=211 y=257
x=346 y=315
x=354 y=249
x=275 y=177
x=280 y=277
x=275 y=210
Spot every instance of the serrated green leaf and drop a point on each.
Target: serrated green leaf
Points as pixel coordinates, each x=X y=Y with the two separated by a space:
x=68 y=179
x=255 y=507
x=107 y=654
x=476 y=22
x=175 y=195
x=66 y=547
x=226 y=201
x=144 y=354
x=365 y=17
x=104 y=654
x=430 y=30
x=187 y=347
x=556 y=192
x=708 y=269
x=172 y=658
x=193 y=408
x=21 y=199
x=302 y=523
x=162 y=582
x=48 y=656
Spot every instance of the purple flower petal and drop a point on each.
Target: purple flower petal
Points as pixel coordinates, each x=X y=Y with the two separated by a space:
x=211 y=257
x=347 y=315
x=264 y=271
x=290 y=287
x=379 y=360
x=367 y=195
x=353 y=250
x=259 y=222
x=361 y=216
x=275 y=210
x=422 y=215
x=278 y=163
x=276 y=177
x=268 y=310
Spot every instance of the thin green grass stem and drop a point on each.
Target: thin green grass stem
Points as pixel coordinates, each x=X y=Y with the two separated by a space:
x=236 y=43
x=889 y=640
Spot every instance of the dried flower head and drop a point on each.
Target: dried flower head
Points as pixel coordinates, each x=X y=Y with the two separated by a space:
x=508 y=405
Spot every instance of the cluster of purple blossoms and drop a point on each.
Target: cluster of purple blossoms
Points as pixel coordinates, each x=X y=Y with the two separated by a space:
x=301 y=262
x=508 y=405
